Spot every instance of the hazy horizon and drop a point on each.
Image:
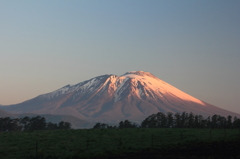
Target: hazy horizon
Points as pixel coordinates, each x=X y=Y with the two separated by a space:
x=192 y=45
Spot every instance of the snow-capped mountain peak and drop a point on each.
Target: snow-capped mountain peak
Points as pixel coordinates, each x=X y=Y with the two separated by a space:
x=133 y=95
x=138 y=83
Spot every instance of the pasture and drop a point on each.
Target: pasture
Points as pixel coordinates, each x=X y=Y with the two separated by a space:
x=104 y=143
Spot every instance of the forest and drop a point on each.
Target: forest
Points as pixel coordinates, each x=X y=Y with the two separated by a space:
x=159 y=120
x=158 y=136
x=30 y=124
x=177 y=120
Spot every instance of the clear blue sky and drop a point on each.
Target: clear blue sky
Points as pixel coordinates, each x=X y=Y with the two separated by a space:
x=192 y=45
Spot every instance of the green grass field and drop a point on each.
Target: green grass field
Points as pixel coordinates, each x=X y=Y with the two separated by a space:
x=84 y=143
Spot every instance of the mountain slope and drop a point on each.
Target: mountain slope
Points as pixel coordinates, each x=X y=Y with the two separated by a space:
x=6 y=114
x=110 y=98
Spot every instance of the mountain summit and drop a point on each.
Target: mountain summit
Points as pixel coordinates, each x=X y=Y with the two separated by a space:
x=110 y=98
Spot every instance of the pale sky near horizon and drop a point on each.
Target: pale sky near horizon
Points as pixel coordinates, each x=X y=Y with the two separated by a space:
x=192 y=45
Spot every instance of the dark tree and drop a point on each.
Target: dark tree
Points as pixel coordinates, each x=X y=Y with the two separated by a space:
x=149 y=122
x=97 y=126
x=196 y=121
x=101 y=126
x=183 y=120
x=14 y=125
x=190 y=121
x=236 y=123
x=201 y=121
x=25 y=122
x=177 y=121
x=170 y=120
x=121 y=124
x=5 y=123
x=127 y=124
x=215 y=121
x=161 y=120
x=222 y=122
x=208 y=122
x=64 y=125
x=229 y=122
x=37 y=123
x=52 y=126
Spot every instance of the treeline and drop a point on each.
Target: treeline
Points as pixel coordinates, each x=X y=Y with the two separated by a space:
x=177 y=120
x=189 y=120
x=30 y=124
x=122 y=124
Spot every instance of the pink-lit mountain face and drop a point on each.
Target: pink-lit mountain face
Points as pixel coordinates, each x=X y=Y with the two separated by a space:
x=110 y=98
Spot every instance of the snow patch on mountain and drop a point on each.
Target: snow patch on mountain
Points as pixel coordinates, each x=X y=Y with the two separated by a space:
x=153 y=84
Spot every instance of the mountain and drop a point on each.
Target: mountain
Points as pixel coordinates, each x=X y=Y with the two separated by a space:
x=110 y=98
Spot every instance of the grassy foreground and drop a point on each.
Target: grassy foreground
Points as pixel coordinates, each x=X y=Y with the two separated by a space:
x=117 y=143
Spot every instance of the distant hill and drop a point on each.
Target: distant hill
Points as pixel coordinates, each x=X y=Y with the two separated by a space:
x=6 y=114
x=76 y=122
